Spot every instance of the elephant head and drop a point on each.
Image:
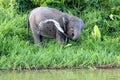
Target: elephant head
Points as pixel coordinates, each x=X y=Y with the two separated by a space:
x=75 y=25
x=72 y=26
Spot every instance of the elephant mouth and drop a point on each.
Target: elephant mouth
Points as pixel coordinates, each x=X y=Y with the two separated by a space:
x=74 y=36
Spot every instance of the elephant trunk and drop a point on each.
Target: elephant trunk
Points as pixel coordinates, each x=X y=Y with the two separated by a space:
x=76 y=34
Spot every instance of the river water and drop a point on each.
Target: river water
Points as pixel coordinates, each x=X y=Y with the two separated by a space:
x=75 y=74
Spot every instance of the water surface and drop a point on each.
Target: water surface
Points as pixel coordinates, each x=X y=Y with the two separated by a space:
x=79 y=74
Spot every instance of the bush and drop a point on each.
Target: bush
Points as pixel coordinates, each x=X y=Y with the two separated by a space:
x=24 y=5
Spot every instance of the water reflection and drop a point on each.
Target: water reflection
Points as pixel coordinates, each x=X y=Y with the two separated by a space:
x=112 y=74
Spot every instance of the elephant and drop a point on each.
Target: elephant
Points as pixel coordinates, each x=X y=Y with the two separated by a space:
x=52 y=23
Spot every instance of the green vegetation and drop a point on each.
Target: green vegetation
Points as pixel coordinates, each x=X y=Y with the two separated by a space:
x=99 y=44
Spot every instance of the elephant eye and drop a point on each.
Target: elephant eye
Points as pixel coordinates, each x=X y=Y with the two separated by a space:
x=71 y=28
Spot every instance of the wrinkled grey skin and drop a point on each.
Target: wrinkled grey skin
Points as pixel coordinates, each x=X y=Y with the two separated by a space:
x=71 y=25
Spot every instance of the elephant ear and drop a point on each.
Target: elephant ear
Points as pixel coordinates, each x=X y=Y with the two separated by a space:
x=64 y=23
x=57 y=25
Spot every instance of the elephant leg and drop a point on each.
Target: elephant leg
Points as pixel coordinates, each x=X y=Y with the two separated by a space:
x=35 y=32
x=61 y=37
x=36 y=37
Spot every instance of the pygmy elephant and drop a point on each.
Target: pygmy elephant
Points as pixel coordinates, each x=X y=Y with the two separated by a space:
x=51 y=23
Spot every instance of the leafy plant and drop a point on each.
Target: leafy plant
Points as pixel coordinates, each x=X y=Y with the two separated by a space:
x=96 y=33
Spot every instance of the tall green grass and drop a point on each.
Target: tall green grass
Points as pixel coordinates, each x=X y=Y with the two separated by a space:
x=101 y=49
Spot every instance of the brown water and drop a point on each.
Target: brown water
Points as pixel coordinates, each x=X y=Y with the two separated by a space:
x=112 y=74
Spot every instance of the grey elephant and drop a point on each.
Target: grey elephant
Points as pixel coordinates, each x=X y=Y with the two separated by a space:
x=52 y=23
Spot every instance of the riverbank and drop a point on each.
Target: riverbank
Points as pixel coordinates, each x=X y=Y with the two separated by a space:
x=76 y=68
x=104 y=67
